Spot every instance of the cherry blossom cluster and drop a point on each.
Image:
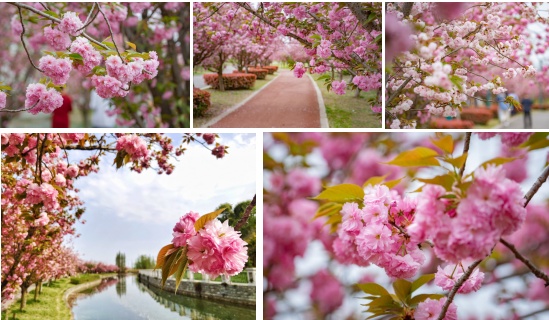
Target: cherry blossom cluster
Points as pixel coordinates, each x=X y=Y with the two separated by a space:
x=327 y=293
x=453 y=57
x=132 y=145
x=214 y=250
x=287 y=226
x=458 y=234
x=373 y=234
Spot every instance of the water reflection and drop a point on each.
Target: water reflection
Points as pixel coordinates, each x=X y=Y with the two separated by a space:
x=126 y=298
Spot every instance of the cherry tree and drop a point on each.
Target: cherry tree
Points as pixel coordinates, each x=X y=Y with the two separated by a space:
x=456 y=54
x=342 y=37
x=135 y=54
x=40 y=204
x=413 y=206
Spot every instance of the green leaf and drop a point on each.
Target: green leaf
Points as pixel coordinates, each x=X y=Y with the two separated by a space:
x=456 y=81
x=119 y=159
x=181 y=269
x=161 y=257
x=514 y=103
x=422 y=280
x=51 y=13
x=324 y=76
x=316 y=37
x=445 y=143
x=131 y=45
x=109 y=44
x=497 y=161
x=420 y=156
x=422 y=297
x=445 y=180
x=76 y=56
x=5 y=88
x=392 y=183
x=201 y=222
x=328 y=209
x=373 y=289
x=342 y=193
x=538 y=140
x=457 y=162
x=403 y=290
x=374 y=181
x=167 y=266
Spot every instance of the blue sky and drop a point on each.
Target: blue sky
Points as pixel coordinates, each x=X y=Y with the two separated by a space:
x=135 y=213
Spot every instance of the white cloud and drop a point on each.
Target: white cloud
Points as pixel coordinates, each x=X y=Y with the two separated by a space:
x=200 y=182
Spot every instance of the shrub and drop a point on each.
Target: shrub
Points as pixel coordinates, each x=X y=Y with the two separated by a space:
x=540 y=106
x=494 y=108
x=231 y=80
x=272 y=69
x=259 y=73
x=201 y=102
x=477 y=115
x=441 y=123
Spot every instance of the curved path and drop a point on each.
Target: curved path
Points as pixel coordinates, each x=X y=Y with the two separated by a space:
x=286 y=102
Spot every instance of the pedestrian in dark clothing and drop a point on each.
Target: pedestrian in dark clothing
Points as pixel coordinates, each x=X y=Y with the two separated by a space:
x=526 y=107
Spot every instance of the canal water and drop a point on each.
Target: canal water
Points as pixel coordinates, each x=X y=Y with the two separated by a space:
x=127 y=298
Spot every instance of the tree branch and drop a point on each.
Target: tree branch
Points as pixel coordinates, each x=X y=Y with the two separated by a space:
x=456 y=287
x=54 y=19
x=110 y=31
x=538 y=273
x=465 y=150
x=246 y=215
x=535 y=187
x=23 y=41
x=399 y=90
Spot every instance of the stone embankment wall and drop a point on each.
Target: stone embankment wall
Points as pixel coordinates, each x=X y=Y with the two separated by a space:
x=234 y=293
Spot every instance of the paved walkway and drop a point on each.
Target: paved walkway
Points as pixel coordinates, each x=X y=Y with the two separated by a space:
x=540 y=120
x=287 y=102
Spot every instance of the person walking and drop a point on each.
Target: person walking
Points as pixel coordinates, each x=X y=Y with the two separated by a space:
x=60 y=116
x=504 y=110
x=526 y=107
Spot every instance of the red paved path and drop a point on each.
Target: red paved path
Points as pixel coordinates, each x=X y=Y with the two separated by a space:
x=287 y=102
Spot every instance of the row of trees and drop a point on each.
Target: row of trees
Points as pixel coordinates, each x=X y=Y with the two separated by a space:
x=136 y=54
x=325 y=37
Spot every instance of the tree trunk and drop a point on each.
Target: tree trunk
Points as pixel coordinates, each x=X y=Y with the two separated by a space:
x=357 y=93
x=221 y=85
x=36 y=291
x=23 y=297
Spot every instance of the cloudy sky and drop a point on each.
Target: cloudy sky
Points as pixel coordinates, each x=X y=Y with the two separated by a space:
x=135 y=213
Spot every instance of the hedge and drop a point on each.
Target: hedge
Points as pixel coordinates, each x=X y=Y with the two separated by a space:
x=441 y=123
x=260 y=73
x=540 y=106
x=231 y=80
x=201 y=102
x=272 y=69
x=477 y=115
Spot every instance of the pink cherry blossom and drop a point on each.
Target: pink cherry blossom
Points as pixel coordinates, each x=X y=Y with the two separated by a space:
x=184 y=229
x=327 y=293
x=133 y=145
x=219 y=152
x=3 y=97
x=57 y=39
x=299 y=70
x=91 y=57
x=43 y=99
x=70 y=24
x=217 y=249
x=430 y=309
x=57 y=69
x=446 y=278
x=339 y=87
x=108 y=87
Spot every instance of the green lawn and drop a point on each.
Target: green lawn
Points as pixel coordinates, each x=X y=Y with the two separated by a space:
x=223 y=100
x=239 y=278
x=347 y=111
x=50 y=304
